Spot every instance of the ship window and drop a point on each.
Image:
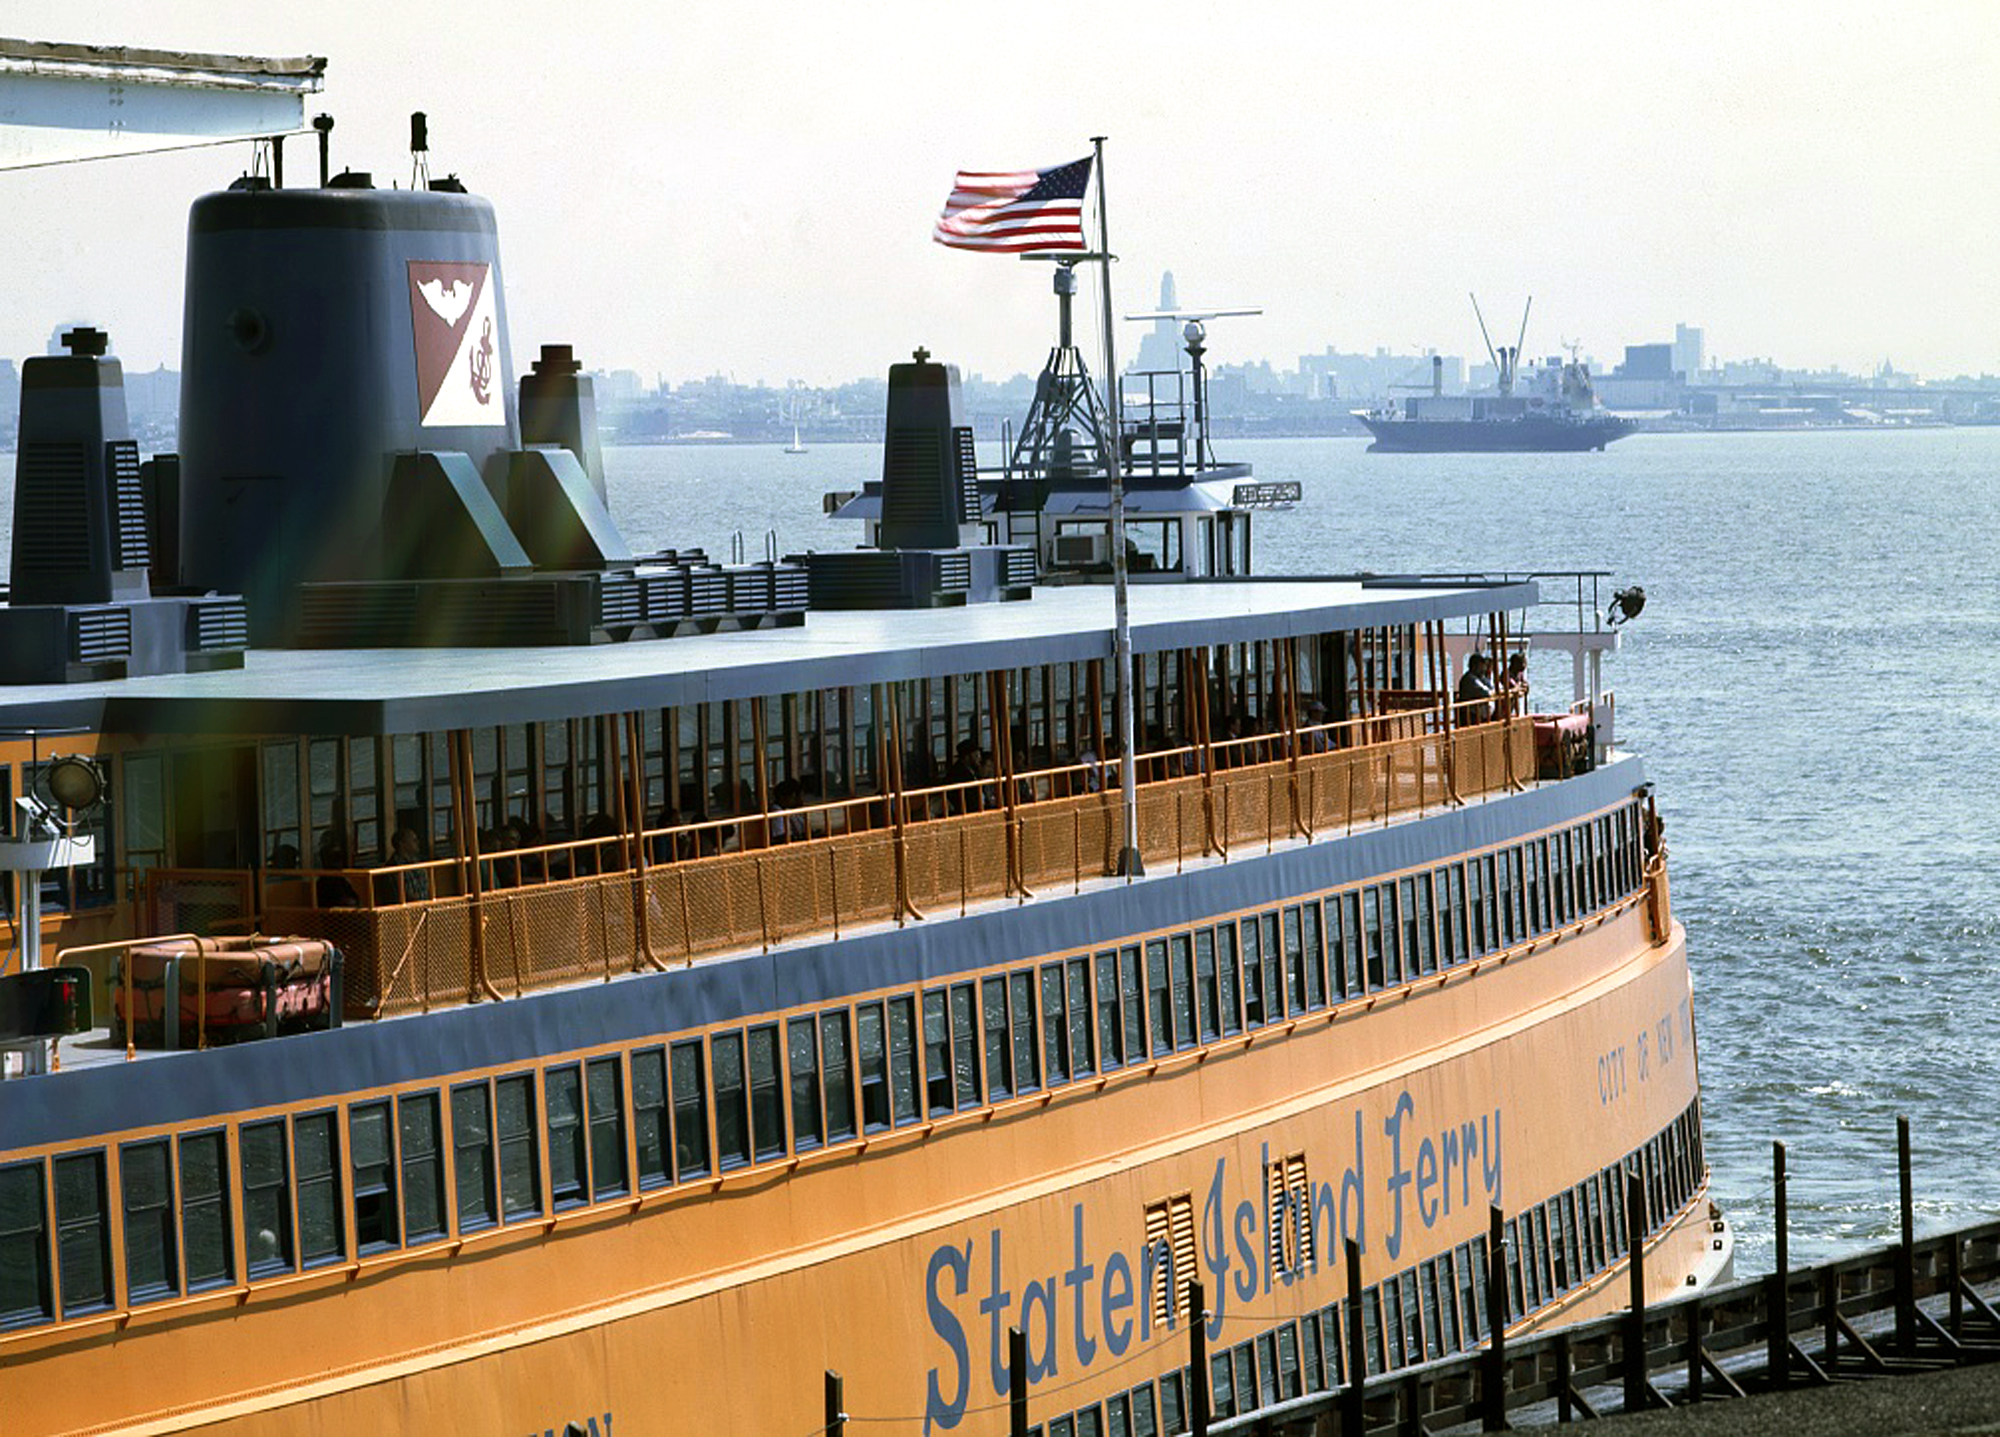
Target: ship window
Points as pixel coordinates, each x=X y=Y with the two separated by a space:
x=1583 y=897
x=937 y=1053
x=905 y=1082
x=649 y=1116
x=1371 y=936
x=1159 y=1000
x=25 y=1295
x=1253 y=975
x=1145 y=1421
x=1371 y=1329
x=1541 y=1251
x=767 y=1097
x=999 y=1057
x=965 y=1044
x=1343 y=942
x=1516 y=1305
x=604 y=1092
x=1204 y=984
x=1472 y=1291
x=1315 y=957
x=316 y=1161
x=872 y=1058
x=1062 y=1427
x=141 y=779
x=1228 y=989
x=1295 y=961
x=1180 y=969
x=839 y=1080
x=472 y=1156
x=145 y=1173
x=1572 y=1236
x=1273 y=959
x=1451 y=913
x=520 y=1160
x=1475 y=903
x=423 y=1167
x=1082 y=1061
x=732 y=1098
x=1510 y=934
x=1021 y=1014
x=1055 y=1024
x=1433 y=1319
x=267 y=1200
x=1110 y=1033
x=1418 y=950
x=1243 y=1358
x=1132 y=1002
x=802 y=1058
x=1117 y=1417
x=204 y=1211
x=1221 y=1391
x=1398 y=1322
x=1311 y=1363
x=1173 y=1408
x=690 y=1097
x=370 y=1144
x=562 y=1102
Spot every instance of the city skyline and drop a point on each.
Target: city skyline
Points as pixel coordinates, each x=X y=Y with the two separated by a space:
x=751 y=193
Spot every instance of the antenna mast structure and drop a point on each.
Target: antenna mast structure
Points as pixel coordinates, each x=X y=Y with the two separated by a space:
x=1195 y=335
x=1066 y=402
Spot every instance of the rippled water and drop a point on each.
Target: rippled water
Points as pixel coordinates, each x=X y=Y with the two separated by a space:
x=1815 y=683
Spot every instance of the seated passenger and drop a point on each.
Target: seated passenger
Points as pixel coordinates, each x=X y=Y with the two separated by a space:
x=414 y=884
x=1475 y=691
x=332 y=890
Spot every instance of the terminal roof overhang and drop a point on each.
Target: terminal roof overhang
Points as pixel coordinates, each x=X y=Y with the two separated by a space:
x=395 y=691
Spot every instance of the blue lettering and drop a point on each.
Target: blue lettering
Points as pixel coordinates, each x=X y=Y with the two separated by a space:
x=1468 y=1147
x=1489 y=1157
x=1215 y=1251
x=993 y=1307
x=1353 y=1184
x=1323 y=1222
x=1427 y=1178
x=939 y=1410
x=1399 y=1176
x=1264 y=1167
x=1246 y=1247
x=1077 y=1279
x=1117 y=1296
x=1449 y=1159
x=1042 y=1295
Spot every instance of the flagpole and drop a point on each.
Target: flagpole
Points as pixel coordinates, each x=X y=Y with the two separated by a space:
x=1129 y=862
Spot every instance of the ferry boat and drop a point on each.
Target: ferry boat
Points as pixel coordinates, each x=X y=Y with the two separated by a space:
x=472 y=978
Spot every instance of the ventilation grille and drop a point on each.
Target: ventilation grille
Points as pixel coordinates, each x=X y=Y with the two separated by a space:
x=708 y=592
x=218 y=624
x=1290 y=1223
x=954 y=572
x=666 y=597
x=1018 y=566
x=909 y=476
x=621 y=601
x=1170 y=1238
x=968 y=474
x=51 y=518
x=100 y=636
x=750 y=591
x=130 y=547
x=789 y=587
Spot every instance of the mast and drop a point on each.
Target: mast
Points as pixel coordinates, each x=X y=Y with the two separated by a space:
x=1129 y=862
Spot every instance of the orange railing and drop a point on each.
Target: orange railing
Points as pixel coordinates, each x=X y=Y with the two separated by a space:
x=453 y=930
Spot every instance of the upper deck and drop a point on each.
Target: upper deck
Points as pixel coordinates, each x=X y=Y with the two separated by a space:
x=408 y=691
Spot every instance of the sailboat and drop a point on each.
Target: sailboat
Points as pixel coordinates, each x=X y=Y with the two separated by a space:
x=795 y=447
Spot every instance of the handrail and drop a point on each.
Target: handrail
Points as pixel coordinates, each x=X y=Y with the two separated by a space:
x=131 y=1051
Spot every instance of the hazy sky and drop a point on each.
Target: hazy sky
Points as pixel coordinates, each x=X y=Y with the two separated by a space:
x=748 y=188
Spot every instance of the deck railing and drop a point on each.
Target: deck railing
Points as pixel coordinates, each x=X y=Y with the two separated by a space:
x=450 y=931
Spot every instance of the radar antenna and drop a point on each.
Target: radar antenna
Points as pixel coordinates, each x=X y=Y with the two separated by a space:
x=1195 y=333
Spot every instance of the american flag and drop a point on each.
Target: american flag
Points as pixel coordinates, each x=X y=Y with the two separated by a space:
x=1011 y=211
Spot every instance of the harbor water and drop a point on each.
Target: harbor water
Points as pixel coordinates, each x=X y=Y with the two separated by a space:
x=1815 y=683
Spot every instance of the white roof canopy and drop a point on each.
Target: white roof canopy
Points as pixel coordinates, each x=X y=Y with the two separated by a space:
x=60 y=103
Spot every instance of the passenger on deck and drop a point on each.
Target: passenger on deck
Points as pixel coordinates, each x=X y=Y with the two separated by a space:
x=963 y=775
x=1316 y=739
x=332 y=890
x=1517 y=683
x=1475 y=690
x=415 y=885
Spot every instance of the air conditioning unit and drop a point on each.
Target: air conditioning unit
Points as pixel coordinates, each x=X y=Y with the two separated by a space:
x=1081 y=551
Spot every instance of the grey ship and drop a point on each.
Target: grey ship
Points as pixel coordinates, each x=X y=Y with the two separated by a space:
x=1553 y=409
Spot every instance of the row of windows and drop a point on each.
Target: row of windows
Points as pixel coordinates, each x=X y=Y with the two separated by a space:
x=315 y=1188
x=1426 y=1312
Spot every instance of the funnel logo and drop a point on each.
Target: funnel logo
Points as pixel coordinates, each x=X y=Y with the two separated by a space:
x=452 y=320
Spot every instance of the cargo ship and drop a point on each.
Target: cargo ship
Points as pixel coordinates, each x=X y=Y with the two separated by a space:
x=1551 y=408
x=470 y=977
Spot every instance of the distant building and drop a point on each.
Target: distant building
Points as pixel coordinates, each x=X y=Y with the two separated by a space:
x=10 y=399
x=1688 y=352
x=1160 y=347
x=1646 y=361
